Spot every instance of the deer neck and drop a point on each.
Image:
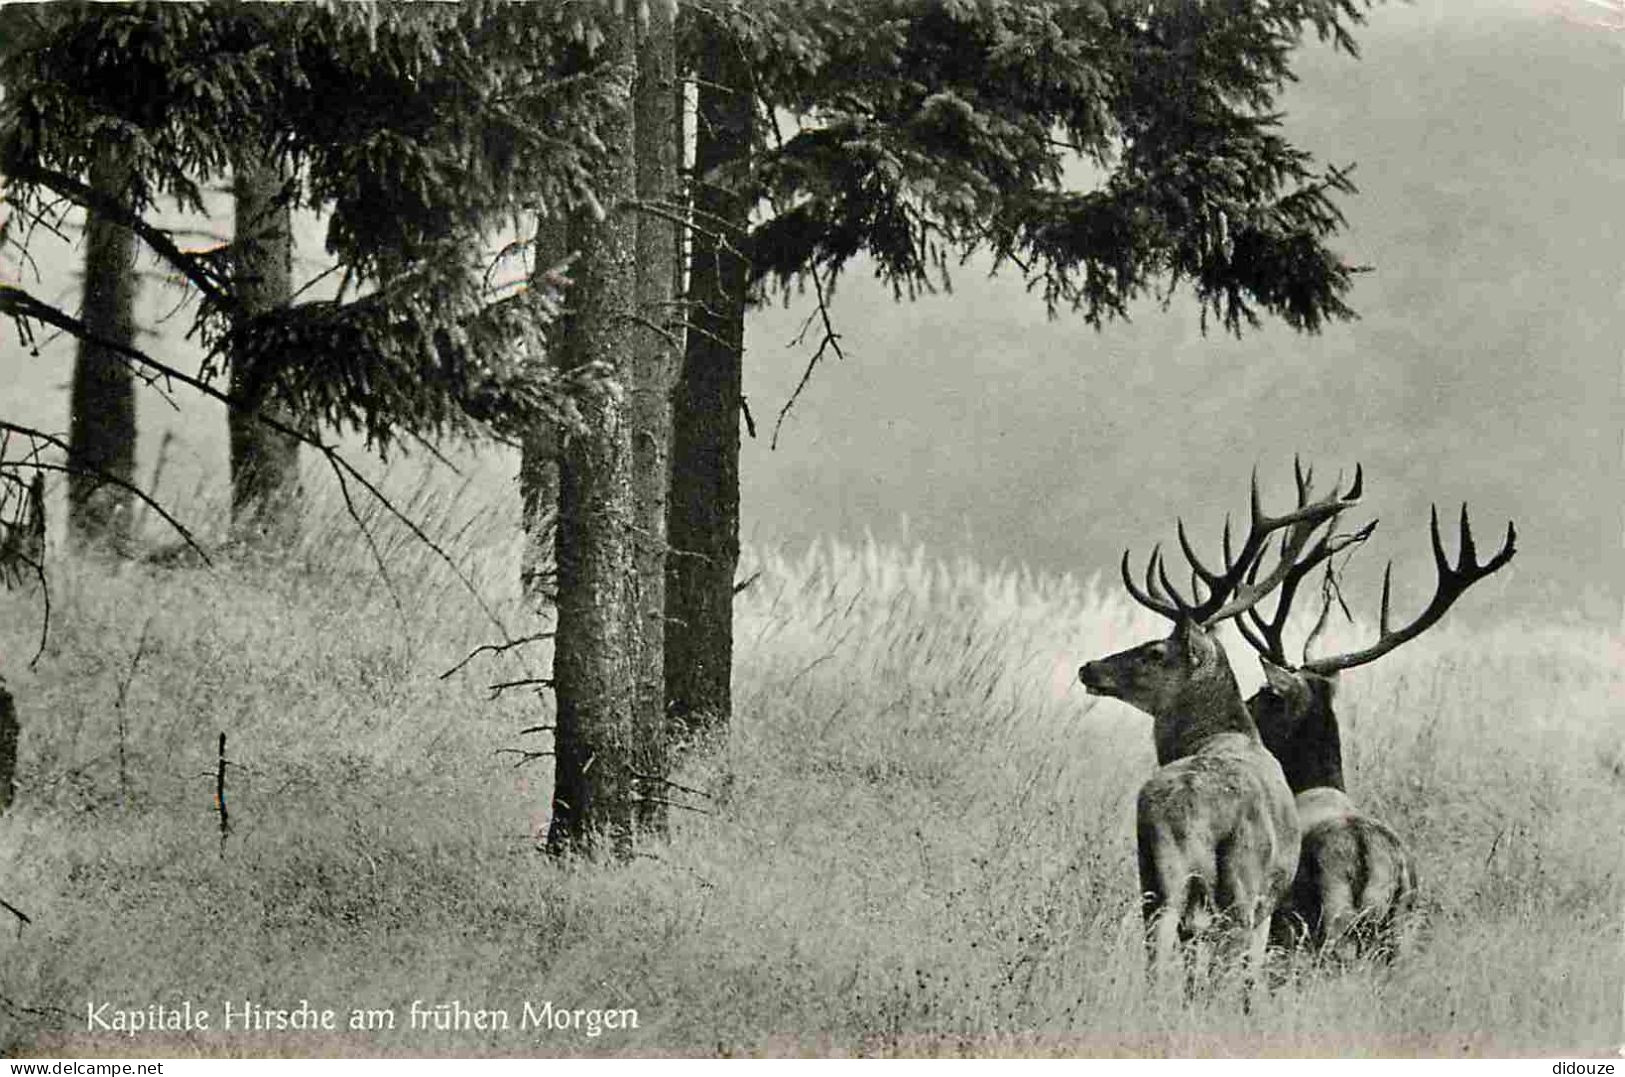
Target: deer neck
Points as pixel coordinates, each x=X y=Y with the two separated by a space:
x=1316 y=756
x=1203 y=709
x=1302 y=733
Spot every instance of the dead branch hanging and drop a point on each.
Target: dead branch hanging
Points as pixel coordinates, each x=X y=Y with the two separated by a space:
x=831 y=341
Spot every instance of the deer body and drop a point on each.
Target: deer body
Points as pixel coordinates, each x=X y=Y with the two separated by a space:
x=1356 y=878
x=1216 y=827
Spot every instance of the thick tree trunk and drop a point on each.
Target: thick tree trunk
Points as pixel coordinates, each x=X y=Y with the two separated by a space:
x=703 y=509
x=595 y=784
x=539 y=458
x=266 y=494
x=101 y=433
x=653 y=366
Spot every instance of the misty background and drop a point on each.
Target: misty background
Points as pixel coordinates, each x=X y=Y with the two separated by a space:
x=1486 y=364
x=1485 y=367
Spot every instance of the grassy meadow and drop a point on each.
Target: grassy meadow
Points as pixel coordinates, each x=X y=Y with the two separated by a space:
x=916 y=839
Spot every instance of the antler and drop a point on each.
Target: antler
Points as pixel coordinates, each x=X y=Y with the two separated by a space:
x=1453 y=582
x=1235 y=589
x=1266 y=636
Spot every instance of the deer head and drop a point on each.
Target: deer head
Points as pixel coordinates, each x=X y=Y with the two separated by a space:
x=1185 y=681
x=1294 y=711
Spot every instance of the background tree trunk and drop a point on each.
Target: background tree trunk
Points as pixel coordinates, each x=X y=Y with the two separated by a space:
x=101 y=433
x=539 y=453
x=653 y=367
x=266 y=493
x=703 y=507
x=594 y=788
x=9 y=729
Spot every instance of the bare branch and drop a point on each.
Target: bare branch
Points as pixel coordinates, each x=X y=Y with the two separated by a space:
x=107 y=206
x=496 y=648
x=658 y=780
x=22 y=917
x=831 y=341
x=525 y=755
x=112 y=480
x=18 y=303
x=524 y=682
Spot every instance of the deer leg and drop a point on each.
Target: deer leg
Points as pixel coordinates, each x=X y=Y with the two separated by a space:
x=1337 y=912
x=1165 y=884
x=1197 y=933
x=1258 y=942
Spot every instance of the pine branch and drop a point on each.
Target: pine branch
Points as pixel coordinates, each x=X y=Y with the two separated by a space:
x=17 y=303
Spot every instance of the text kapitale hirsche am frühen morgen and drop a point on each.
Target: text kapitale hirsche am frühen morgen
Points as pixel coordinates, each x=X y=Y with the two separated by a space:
x=246 y=1015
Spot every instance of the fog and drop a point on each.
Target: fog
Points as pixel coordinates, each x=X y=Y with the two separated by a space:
x=1485 y=366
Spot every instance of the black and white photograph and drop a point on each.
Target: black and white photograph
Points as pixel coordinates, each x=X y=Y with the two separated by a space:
x=812 y=529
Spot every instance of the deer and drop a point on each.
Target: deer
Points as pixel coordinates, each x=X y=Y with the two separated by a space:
x=1356 y=882
x=1216 y=825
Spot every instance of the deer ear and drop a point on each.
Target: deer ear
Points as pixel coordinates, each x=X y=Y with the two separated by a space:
x=1283 y=681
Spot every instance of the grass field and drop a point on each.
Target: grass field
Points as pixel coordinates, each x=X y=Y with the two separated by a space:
x=916 y=838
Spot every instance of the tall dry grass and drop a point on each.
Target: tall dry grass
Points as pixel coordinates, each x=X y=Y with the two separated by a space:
x=915 y=839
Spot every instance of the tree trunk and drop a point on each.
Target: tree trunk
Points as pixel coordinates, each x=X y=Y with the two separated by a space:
x=8 y=749
x=539 y=456
x=266 y=493
x=594 y=785
x=652 y=374
x=101 y=432
x=703 y=510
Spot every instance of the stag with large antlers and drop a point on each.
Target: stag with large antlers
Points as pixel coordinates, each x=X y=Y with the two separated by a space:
x=1216 y=825
x=1356 y=879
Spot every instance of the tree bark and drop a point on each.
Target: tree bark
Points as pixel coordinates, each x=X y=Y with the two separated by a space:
x=8 y=749
x=703 y=507
x=539 y=456
x=266 y=493
x=594 y=788
x=653 y=366
x=101 y=432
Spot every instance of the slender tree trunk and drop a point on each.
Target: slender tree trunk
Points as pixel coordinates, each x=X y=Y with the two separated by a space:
x=539 y=457
x=653 y=367
x=594 y=788
x=9 y=729
x=101 y=433
x=266 y=493
x=703 y=510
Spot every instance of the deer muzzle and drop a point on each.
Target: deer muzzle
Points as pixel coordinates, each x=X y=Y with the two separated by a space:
x=1099 y=679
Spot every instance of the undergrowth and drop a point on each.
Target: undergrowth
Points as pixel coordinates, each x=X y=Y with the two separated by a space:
x=915 y=838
